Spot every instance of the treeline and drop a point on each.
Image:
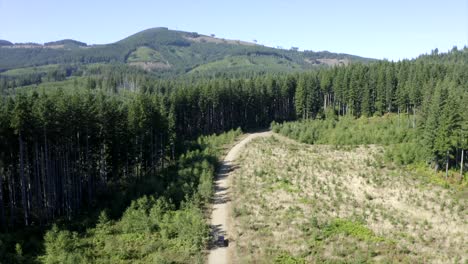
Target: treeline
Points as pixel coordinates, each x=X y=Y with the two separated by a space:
x=59 y=150
x=434 y=94
x=221 y=104
x=377 y=88
x=207 y=105
x=30 y=76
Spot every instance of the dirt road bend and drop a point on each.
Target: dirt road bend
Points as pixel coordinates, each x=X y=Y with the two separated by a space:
x=219 y=253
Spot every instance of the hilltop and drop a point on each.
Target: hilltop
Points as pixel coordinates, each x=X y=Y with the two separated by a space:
x=177 y=52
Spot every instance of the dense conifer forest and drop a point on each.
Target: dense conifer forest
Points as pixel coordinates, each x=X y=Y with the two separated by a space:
x=71 y=138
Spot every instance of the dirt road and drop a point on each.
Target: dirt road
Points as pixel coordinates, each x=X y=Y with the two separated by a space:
x=219 y=253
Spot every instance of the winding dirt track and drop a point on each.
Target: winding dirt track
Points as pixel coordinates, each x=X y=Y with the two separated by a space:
x=219 y=254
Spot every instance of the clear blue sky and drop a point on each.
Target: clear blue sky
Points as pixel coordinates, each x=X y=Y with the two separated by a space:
x=371 y=28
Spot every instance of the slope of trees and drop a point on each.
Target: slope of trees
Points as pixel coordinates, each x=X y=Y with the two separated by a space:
x=182 y=50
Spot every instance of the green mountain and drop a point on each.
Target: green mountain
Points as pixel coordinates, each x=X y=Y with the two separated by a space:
x=177 y=52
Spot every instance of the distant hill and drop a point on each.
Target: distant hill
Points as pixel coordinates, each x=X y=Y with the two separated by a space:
x=5 y=43
x=177 y=52
x=66 y=42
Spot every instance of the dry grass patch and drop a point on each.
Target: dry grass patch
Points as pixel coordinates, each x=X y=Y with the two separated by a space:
x=325 y=204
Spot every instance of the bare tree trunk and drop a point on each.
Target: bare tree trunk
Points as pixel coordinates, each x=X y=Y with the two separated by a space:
x=37 y=182
x=102 y=170
x=47 y=179
x=446 y=165
x=53 y=188
x=408 y=115
x=59 y=182
x=45 y=170
x=68 y=184
x=79 y=172
x=398 y=116
x=43 y=186
x=153 y=143
x=28 y=181
x=324 y=102
x=23 y=181
x=89 y=175
x=2 y=211
x=162 y=151
x=462 y=164
x=11 y=186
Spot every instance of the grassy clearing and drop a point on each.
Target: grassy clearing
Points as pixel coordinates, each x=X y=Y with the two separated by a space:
x=30 y=70
x=145 y=54
x=297 y=203
x=236 y=64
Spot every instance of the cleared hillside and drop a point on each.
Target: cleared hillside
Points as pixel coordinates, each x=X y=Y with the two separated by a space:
x=313 y=204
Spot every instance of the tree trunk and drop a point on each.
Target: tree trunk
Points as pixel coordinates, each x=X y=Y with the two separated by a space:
x=398 y=116
x=446 y=165
x=53 y=185
x=162 y=152
x=2 y=211
x=47 y=178
x=153 y=155
x=461 y=164
x=28 y=181
x=88 y=174
x=23 y=181
x=408 y=115
x=140 y=159
x=37 y=182
x=78 y=172
x=43 y=186
x=68 y=184
x=11 y=186
x=324 y=102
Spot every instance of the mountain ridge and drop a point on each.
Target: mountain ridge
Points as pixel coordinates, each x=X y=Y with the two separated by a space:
x=178 y=52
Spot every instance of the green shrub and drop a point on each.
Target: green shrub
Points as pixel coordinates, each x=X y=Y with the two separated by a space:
x=404 y=154
x=347 y=130
x=286 y=258
x=350 y=228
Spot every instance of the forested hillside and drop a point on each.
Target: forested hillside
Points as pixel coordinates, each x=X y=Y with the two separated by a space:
x=171 y=52
x=84 y=134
